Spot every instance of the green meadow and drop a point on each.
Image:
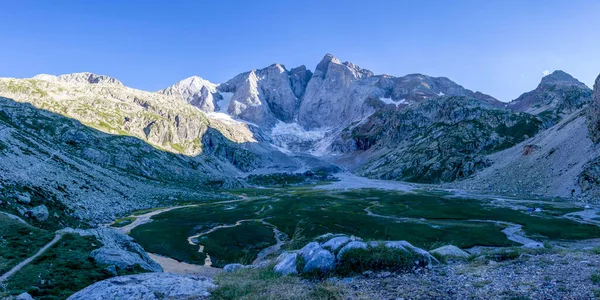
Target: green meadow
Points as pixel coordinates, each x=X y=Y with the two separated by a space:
x=425 y=219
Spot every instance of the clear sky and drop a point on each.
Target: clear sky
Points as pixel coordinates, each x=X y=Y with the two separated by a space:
x=497 y=47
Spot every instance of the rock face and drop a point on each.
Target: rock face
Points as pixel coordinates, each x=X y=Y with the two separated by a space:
x=328 y=99
x=558 y=93
x=437 y=140
x=341 y=93
x=148 y=286
x=267 y=95
x=594 y=114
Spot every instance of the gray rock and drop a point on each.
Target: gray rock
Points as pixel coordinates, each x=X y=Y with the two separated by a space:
x=112 y=270
x=594 y=115
x=40 y=213
x=120 y=258
x=424 y=258
x=309 y=250
x=24 y=198
x=336 y=243
x=350 y=246
x=24 y=296
x=286 y=263
x=119 y=249
x=374 y=244
x=232 y=267
x=148 y=286
x=321 y=261
x=450 y=251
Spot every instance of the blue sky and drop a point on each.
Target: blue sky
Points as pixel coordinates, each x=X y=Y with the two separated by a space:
x=497 y=47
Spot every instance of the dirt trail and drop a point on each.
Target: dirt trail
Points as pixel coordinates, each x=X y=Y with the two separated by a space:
x=145 y=218
x=173 y=266
x=18 y=267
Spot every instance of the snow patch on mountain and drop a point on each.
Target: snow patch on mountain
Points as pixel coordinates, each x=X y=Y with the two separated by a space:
x=224 y=103
x=293 y=137
x=390 y=101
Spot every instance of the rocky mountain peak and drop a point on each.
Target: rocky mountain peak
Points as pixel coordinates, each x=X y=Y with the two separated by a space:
x=328 y=60
x=557 y=93
x=559 y=77
x=196 y=91
x=84 y=77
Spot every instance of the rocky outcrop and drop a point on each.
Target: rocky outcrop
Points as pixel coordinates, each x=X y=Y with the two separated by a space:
x=451 y=252
x=436 y=140
x=267 y=95
x=148 y=286
x=594 y=114
x=40 y=213
x=341 y=93
x=557 y=94
x=329 y=98
x=119 y=250
x=324 y=258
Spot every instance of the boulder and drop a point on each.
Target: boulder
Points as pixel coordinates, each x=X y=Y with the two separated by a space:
x=232 y=267
x=39 y=213
x=121 y=259
x=149 y=286
x=24 y=198
x=286 y=263
x=424 y=258
x=119 y=249
x=336 y=243
x=321 y=261
x=112 y=270
x=349 y=246
x=374 y=244
x=309 y=250
x=24 y=296
x=450 y=251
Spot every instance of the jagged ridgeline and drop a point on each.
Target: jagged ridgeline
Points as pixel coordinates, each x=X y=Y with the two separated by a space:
x=276 y=120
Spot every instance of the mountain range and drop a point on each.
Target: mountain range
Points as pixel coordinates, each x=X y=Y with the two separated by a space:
x=103 y=148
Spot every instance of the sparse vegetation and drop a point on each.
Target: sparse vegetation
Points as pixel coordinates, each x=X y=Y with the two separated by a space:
x=265 y=284
x=595 y=278
x=123 y=222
